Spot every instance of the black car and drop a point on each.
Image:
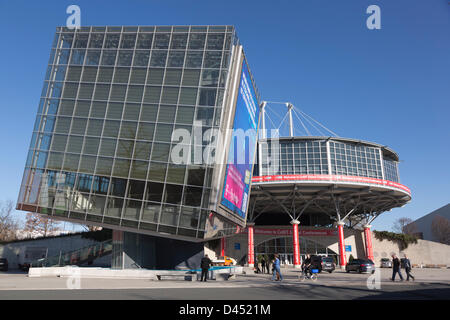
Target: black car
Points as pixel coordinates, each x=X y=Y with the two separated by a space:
x=323 y=263
x=3 y=264
x=360 y=265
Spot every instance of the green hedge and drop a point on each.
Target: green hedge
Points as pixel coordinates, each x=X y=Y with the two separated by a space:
x=403 y=240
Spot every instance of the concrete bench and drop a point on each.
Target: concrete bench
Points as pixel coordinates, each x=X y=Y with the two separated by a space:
x=186 y=277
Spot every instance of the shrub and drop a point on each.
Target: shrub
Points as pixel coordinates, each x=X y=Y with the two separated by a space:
x=403 y=240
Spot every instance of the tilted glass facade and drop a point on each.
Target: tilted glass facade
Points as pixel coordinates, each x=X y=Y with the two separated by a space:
x=101 y=142
x=310 y=156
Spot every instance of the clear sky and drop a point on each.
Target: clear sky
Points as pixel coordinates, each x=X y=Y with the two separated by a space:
x=390 y=86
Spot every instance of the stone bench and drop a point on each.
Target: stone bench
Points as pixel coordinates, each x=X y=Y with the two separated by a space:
x=186 y=277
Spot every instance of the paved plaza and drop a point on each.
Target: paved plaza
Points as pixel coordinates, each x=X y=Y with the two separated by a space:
x=429 y=284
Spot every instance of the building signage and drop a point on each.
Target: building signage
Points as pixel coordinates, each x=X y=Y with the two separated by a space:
x=242 y=150
x=288 y=232
x=348 y=248
x=329 y=177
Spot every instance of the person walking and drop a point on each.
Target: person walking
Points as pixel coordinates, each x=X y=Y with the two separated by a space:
x=396 y=268
x=263 y=265
x=408 y=268
x=204 y=264
x=276 y=269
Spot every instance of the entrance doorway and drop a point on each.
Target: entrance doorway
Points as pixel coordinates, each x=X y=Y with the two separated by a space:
x=283 y=246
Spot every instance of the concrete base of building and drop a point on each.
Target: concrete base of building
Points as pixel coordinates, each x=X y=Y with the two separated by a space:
x=297 y=266
x=251 y=265
x=74 y=272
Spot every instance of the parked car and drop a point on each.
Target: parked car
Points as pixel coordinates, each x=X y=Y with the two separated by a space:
x=385 y=263
x=360 y=265
x=323 y=263
x=3 y=264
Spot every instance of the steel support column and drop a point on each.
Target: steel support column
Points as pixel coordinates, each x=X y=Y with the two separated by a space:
x=368 y=241
x=296 y=243
x=251 y=246
x=222 y=247
x=342 y=257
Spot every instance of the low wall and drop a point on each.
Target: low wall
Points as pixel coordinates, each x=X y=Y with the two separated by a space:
x=425 y=253
x=70 y=271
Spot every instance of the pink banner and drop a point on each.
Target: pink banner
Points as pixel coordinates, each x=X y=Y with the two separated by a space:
x=234 y=188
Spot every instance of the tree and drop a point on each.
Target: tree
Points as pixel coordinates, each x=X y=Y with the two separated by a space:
x=440 y=228
x=404 y=225
x=8 y=225
x=36 y=222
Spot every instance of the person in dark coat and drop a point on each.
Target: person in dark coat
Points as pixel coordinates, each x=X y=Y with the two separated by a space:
x=408 y=268
x=263 y=265
x=396 y=268
x=205 y=264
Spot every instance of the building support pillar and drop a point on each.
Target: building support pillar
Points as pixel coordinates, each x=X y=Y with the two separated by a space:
x=251 y=247
x=368 y=241
x=296 y=243
x=342 y=257
x=222 y=247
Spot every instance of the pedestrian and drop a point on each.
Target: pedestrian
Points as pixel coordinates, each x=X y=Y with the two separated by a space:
x=205 y=263
x=263 y=265
x=396 y=268
x=408 y=268
x=276 y=269
x=257 y=270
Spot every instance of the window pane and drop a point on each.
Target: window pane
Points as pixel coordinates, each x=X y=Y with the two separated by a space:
x=145 y=131
x=144 y=41
x=125 y=148
x=108 y=147
x=95 y=127
x=191 y=77
x=188 y=96
x=173 y=77
x=176 y=59
x=179 y=41
x=104 y=166
x=128 y=130
x=194 y=59
x=131 y=111
x=160 y=152
x=155 y=76
x=149 y=112
x=98 y=109
x=197 y=41
x=141 y=58
x=212 y=59
x=91 y=145
x=142 y=150
x=79 y=126
x=82 y=108
x=75 y=144
x=158 y=58
x=157 y=171
x=121 y=167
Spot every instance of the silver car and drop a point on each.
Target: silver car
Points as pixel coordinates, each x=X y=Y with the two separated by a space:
x=385 y=263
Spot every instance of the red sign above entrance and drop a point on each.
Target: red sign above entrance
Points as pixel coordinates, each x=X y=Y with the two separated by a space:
x=288 y=232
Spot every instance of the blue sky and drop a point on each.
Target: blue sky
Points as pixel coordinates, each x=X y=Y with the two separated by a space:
x=390 y=86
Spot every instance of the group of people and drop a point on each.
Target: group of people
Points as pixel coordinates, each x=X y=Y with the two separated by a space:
x=306 y=267
x=396 y=265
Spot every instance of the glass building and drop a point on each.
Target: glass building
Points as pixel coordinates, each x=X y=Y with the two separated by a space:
x=327 y=156
x=101 y=144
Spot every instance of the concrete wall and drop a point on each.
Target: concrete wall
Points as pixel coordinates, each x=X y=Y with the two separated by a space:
x=55 y=245
x=424 y=252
